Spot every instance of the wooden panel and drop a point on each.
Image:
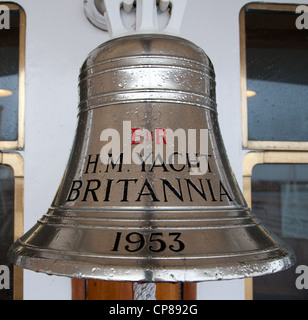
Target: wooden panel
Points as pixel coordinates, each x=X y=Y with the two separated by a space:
x=105 y=290
x=189 y=291
x=78 y=289
x=168 y=291
x=248 y=289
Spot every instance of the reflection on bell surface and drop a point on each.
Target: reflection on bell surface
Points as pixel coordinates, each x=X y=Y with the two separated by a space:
x=148 y=194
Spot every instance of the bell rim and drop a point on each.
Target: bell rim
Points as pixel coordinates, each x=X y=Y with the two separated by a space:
x=88 y=271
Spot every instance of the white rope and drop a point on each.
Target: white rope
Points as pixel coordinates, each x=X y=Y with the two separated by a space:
x=145 y=291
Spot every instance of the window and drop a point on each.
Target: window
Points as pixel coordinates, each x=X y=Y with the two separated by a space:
x=12 y=76
x=276 y=187
x=274 y=66
x=274 y=82
x=12 y=108
x=11 y=221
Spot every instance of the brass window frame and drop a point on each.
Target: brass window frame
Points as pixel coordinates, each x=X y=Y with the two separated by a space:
x=19 y=143
x=16 y=162
x=251 y=144
x=253 y=158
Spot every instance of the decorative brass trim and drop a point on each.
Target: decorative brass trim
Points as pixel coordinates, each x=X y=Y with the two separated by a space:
x=16 y=162
x=19 y=143
x=252 y=159
x=249 y=144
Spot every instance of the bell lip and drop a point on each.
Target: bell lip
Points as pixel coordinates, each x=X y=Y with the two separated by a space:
x=88 y=271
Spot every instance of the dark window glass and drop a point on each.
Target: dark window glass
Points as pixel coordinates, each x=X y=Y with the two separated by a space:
x=280 y=201
x=9 y=78
x=277 y=72
x=6 y=225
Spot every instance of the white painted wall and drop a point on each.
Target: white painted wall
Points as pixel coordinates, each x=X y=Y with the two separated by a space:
x=58 y=40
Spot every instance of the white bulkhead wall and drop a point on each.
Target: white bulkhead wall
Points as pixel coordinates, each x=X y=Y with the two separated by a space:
x=58 y=39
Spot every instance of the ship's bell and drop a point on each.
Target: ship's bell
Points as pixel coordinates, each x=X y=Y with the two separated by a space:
x=148 y=193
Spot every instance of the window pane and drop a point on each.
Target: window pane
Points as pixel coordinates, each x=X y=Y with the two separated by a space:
x=277 y=71
x=9 y=78
x=6 y=223
x=280 y=201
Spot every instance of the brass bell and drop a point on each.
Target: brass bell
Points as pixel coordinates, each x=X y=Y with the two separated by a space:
x=148 y=193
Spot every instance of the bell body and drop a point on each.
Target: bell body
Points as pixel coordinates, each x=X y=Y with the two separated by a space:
x=148 y=193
